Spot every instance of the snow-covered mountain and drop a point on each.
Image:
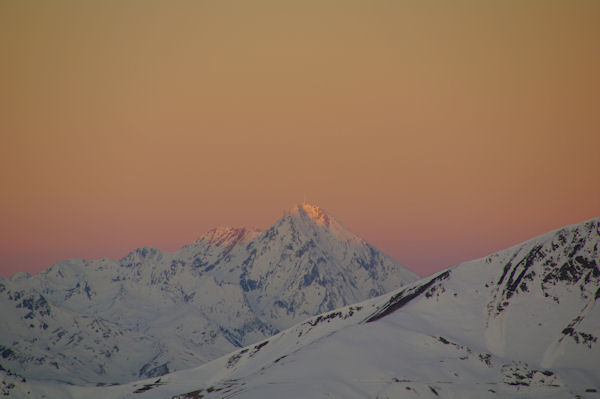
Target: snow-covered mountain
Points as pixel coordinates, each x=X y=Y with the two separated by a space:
x=523 y=322
x=153 y=312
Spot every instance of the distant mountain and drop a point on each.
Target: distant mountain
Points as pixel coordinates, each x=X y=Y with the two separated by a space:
x=521 y=323
x=153 y=312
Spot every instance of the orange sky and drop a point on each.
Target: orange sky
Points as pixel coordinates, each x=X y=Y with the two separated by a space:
x=439 y=131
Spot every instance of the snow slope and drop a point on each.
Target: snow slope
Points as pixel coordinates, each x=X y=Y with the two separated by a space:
x=152 y=312
x=523 y=322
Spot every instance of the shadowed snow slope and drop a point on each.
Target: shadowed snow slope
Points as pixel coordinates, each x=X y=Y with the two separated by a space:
x=154 y=312
x=523 y=322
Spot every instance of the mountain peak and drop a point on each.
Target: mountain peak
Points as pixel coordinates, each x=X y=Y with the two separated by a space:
x=313 y=212
x=314 y=219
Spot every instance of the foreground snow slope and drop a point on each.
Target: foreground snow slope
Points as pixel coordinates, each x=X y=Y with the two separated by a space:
x=153 y=312
x=523 y=322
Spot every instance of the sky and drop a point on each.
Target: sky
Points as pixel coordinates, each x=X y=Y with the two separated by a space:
x=438 y=131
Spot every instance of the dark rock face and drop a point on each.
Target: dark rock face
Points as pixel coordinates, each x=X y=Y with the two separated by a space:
x=568 y=257
x=405 y=296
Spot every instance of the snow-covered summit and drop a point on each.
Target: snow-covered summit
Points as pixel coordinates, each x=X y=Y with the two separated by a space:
x=314 y=212
x=313 y=221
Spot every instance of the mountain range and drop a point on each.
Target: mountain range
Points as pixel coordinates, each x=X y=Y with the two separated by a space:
x=520 y=323
x=152 y=312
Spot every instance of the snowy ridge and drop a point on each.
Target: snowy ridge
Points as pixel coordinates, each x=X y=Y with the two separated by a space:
x=153 y=312
x=228 y=236
x=523 y=322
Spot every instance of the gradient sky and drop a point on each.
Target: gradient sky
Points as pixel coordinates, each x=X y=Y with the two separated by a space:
x=439 y=131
